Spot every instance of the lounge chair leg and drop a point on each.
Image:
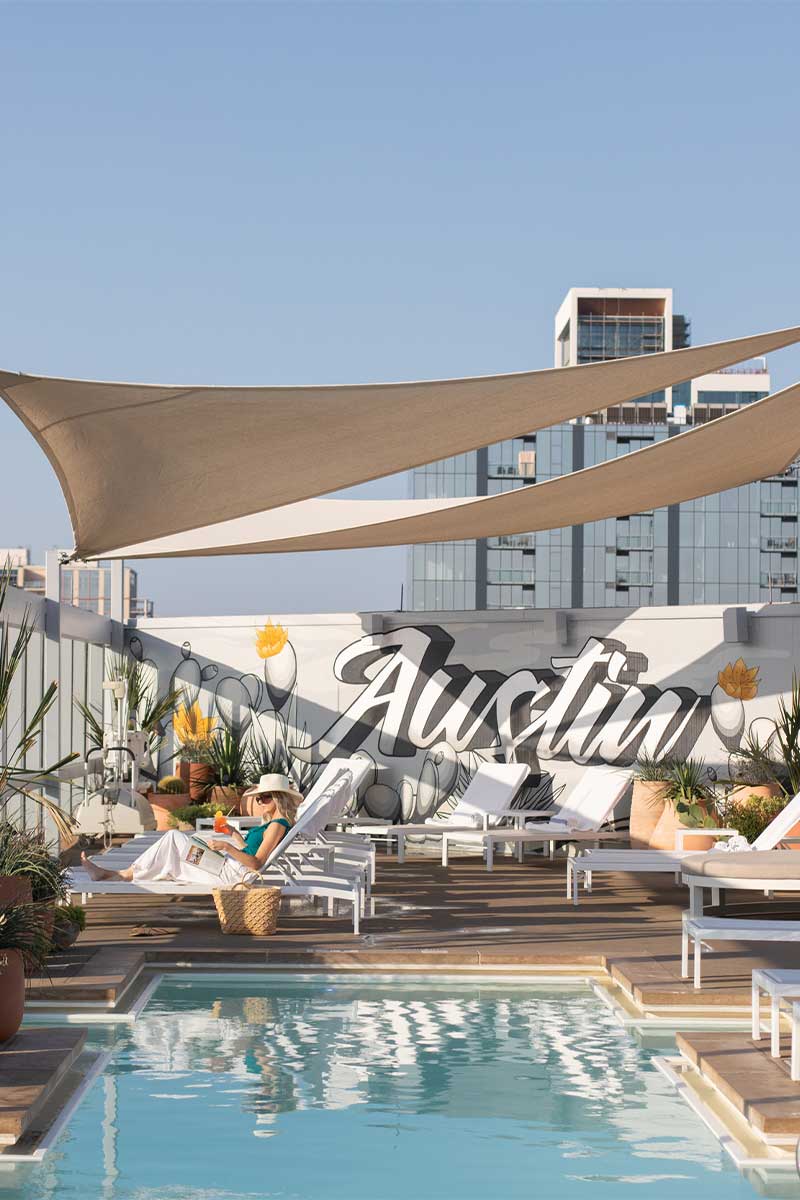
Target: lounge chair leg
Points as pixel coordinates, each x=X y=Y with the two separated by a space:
x=570 y=873
x=755 y=1022
x=489 y=854
x=330 y=906
x=401 y=847
x=356 y=918
x=588 y=878
x=552 y=846
x=445 y=851
x=698 y=957
x=715 y=897
x=575 y=887
x=520 y=850
x=695 y=901
x=775 y=1040
x=684 y=954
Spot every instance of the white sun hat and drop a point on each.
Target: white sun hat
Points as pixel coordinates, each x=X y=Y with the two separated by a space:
x=274 y=783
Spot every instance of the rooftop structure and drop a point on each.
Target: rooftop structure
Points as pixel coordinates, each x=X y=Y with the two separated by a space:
x=84 y=585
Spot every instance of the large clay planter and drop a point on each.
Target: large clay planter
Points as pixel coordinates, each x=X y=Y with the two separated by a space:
x=742 y=793
x=163 y=803
x=12 y=993
x=226 y=798
x=663 y=835
x=201 y=780
x=15 y=889
x=182 y=771
x=647 y=805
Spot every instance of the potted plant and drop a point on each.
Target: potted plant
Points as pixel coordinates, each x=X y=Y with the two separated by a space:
x=170 y=794
x=17 y=780
x=229 y=760
x=70 y=922
x=689 y=805
x=25 y=856
x=650 y=775
x=751 y=814
x=754 y=769
x=23 y=946
x=195 y=735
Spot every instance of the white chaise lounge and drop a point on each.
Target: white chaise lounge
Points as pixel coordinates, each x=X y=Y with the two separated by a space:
x=579 y=817
x=643 y=862
x=486 y=802
x=282 y=868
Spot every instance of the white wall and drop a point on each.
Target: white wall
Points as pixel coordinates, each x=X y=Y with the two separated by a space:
x=431 y=695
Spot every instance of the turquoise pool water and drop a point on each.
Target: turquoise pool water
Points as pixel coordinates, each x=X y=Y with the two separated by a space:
x=229 y=1088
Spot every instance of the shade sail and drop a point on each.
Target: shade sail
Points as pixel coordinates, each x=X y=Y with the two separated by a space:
x=759 y=440
x=139 y=462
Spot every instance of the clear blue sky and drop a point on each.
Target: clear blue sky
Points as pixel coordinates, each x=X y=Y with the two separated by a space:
x=324 y=192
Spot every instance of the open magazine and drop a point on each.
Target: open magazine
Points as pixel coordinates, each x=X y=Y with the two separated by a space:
x=199 y=855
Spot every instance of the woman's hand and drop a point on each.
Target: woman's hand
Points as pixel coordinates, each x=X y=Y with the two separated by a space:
x=217 y=844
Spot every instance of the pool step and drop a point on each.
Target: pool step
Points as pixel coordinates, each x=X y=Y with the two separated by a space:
x=757 y=1085
x=100 y=980
x=32 y=1065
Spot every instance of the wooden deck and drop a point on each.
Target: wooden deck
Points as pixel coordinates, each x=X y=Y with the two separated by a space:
x=458 y=917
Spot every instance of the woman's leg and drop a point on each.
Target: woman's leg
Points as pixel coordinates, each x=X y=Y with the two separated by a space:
x=162 y=860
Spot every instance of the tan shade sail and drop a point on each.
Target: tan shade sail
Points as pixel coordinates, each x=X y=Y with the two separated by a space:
x=139 y=462
x=759 y=440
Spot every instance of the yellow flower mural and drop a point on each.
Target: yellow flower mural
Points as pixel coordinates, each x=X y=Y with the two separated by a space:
x=739 y=681
x=270 y=640
x=191 y=727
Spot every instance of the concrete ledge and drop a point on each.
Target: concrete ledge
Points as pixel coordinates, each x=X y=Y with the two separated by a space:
x=757 y=1085
x=32 y=1065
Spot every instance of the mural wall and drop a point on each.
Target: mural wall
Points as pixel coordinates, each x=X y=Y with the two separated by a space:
x=426 y=702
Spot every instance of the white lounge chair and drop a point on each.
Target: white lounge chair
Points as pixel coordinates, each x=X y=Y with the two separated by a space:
x=280 y=869
x=700 y=931
x=643 y=862
x=485 y=802
x=578 y=817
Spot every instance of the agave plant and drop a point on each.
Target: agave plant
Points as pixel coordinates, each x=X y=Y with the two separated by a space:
x=787 y=735
x=22 y=928
x=26 y=854
x=229 y=758
x=688 y=787
x=651 y=769
x=148 y=711
x=754 y=762
x=17 y=779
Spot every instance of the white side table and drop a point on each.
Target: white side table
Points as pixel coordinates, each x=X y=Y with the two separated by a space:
x=239 y=823
x=778 y=985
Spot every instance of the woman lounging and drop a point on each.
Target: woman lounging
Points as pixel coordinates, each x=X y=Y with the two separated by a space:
x=276 y=802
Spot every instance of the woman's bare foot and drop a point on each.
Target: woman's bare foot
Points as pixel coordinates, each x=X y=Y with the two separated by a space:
x=96 y=872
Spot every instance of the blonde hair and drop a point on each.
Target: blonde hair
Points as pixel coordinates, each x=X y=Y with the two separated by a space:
x=286 y=805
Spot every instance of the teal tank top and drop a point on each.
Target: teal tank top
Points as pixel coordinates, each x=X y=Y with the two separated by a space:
x=255 y=836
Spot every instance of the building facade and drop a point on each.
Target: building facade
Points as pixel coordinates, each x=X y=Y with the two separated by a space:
x=84 y=585
x=735 y=547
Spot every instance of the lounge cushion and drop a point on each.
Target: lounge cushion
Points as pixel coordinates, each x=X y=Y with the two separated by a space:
x=749 y=864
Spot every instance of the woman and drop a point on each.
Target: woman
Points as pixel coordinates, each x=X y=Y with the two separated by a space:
x=276 y=801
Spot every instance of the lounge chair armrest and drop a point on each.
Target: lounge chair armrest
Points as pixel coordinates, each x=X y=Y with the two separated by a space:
x=789 y=841
x=681 y=834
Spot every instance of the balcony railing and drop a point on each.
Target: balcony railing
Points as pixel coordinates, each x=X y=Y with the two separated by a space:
x=513 y=541
x=634 y=541
x=779 y=508
x=785 y=580
x=634 y=579
x=511 y=575
x=782 y=545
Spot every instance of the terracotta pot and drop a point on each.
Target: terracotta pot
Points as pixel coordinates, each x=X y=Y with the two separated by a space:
x=647 y=805
x=15 y=889
x=163 y=803
x=226 y=798
x=663 y=835
x=742 y=793
x=182 y=770
x=65 y=934
x=46 y=911
x=201 y=779
x=12 y=993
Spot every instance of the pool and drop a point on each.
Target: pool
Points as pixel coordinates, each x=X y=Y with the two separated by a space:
x=311 y=1089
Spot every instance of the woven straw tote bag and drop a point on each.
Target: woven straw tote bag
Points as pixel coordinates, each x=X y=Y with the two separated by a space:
x=248 y=909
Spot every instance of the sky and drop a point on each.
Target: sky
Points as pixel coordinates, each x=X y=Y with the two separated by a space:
x=278 y=193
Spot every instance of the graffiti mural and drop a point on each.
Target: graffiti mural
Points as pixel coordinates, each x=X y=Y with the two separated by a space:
x=426 y=720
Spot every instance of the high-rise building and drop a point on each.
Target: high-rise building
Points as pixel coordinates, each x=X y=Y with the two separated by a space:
x=86 y=585
x=738 y=546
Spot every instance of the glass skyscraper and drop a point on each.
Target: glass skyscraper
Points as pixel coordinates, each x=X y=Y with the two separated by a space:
x=735 y=547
